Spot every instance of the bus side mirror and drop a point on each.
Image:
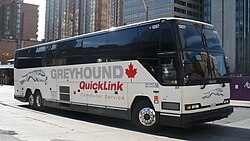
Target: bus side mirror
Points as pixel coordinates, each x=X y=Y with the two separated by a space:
x=187 y=67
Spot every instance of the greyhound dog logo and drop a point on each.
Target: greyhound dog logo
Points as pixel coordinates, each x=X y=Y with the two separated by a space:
x=216 y=92
x=35 y=76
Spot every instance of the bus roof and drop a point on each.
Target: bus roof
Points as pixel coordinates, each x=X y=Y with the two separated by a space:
x=118 y=28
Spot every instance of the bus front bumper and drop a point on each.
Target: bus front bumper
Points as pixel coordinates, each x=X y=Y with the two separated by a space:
x=187 y=120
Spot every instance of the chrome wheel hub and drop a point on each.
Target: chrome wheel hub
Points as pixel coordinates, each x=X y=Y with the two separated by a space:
x=147 y=117
x=31 y=100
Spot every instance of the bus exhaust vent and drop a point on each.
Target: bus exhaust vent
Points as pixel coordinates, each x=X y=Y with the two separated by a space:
x=64 y=93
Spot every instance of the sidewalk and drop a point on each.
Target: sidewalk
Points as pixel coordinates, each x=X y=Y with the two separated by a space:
x=240 y=103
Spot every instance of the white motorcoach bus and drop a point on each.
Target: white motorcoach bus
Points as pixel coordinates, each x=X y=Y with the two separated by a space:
x=167 y=71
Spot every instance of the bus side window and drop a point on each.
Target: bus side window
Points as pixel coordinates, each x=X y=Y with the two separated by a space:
x=66 y=52
x=168 y=71
x=39 y=56
x=123 y=44
x=148 y=41
x=34 y=55
x=94 y=48
x=151 y=64
x=167 y=38
x=51 y=55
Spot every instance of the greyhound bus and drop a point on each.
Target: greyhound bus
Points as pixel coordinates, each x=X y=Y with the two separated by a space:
x=167 y=71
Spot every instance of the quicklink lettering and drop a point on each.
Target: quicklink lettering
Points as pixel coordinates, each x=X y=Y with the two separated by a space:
x=106 y=85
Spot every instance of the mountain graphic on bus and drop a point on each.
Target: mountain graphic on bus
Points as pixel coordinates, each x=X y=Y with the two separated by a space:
x=216 y=92
x=35 y=76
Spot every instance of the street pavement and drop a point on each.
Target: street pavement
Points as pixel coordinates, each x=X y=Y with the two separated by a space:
x=20 y=123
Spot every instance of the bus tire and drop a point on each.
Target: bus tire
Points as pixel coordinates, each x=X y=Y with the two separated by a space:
x=144 y=116
x=31 y=100
x=38 y=101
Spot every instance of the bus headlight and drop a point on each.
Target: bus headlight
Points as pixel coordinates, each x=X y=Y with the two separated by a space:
x=226 y=101
x=192 y=106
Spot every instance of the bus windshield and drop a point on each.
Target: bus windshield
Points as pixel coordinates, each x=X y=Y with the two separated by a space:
x=202 y=48
x=193 y=37
x=206 y=66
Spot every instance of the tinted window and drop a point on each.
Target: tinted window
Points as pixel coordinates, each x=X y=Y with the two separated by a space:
x=51 y=55
x=167 y=38
x=217 y=64
x=191 y=36
x=123 y=44
x=148 y=41
x=94 y=48
x=66 y=52
x=213 y=39
x=151 y=65
x=29 y=58
x=82 y=50
x=168 y=71
x=199 y=62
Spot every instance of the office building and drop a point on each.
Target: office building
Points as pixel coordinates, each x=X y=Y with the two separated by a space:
x=18 y=27
x=29 y=22
x=66 y=18
x=135 y=11
x=243 y=37
x=232 y=19
x=18 y=20
x=116 y=13
x=10 y=19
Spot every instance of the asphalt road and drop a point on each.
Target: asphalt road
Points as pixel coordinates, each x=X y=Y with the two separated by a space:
x=19 y=122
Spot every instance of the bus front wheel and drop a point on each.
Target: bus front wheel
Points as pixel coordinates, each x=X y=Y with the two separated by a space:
x=144 y=116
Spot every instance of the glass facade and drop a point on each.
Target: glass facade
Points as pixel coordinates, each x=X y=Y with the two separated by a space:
x=60 y=15
x=90 y=23
x=241 y=31
x=66 y=18
x=10 y=19
x=63 y=19
x=116 y=13
x=242 y=37
x=135 y=11
x=56 y=20
x=207 y=11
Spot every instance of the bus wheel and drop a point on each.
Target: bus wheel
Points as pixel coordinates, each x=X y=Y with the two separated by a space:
x=31 y=100
x=144 y=116
x=38 y=101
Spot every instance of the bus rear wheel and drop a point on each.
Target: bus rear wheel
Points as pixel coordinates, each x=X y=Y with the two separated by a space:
x=31 y=100
x=38 y=101
x=144 y=116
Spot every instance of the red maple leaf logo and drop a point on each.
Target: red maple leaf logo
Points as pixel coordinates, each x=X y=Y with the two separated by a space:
x=131 y=71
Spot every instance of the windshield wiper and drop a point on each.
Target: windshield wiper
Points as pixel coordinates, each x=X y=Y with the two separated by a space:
x=219 y=74
x=221 y=79
x=205 y=84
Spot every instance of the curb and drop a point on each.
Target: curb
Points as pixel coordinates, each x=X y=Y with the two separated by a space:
x=240 y=103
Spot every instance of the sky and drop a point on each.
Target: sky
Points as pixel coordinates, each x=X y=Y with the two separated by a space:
x=41 y=20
